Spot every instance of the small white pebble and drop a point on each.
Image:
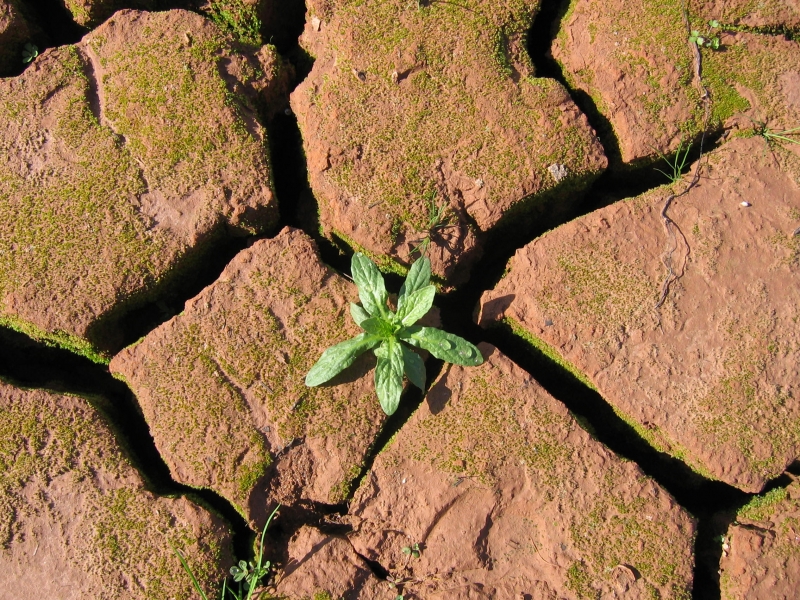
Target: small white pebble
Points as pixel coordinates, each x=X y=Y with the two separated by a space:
x=746 y=204
x=403 y=481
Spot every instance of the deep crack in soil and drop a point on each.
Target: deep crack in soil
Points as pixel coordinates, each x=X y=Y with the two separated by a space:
x=31 y=364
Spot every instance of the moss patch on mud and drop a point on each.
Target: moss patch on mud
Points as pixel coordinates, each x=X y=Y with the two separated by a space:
x=239 y=356
x=484 y=432
x=422 y=94
x=648 y=43
x=87 y=139
x=493 y=423
x=46 y=438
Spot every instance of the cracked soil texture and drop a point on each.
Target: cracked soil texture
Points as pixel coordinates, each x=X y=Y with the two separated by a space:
x=408 y=109
x=761 y=557
x=634 y=59
x=507 y=496
x=222 y=385
x=126 y=153
x=711 y=377
x=76 y=519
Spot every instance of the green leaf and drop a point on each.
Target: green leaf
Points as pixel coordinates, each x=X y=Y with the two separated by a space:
x=371 y=289
x=337 y=358
x=389 y=375
x=419 y=276
x=413 y=367
x=379 y=327
x=417 y=304
x=359 y=314
x=443 y=345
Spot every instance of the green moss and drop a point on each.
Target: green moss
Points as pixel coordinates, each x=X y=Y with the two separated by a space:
x=761 y=508
x=72 y=233
x=484 y=431
x=47 y=438
x=221 y=366
x=653 y=556
x=580 y=582
x=238 y=19
x=436 y=110
x=344 y=488
x=541 y=346
x=59 y=339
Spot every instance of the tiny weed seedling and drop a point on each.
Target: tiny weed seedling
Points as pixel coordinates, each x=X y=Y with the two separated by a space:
x=439 y=217
x=706 y=41
x=412 y=550
x=777 y=137
x=29 y=52
x=387 y=333
x=246 y=574
x=677 y=164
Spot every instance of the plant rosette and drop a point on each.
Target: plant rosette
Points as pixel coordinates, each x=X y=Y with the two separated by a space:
x=389 y=334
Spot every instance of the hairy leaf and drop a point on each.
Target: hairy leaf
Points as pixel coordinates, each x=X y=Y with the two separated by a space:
x=417 y=304
x=414 y=367
x=379 y=327
x=389 y=375
x=337 y=358
x=419 y=276
x=359 y=314
x=371 y=289
x=443 y=345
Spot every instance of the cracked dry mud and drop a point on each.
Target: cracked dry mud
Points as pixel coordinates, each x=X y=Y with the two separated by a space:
x=76 y=519
x=133 y=155
x=127 y=153
x=442 y=103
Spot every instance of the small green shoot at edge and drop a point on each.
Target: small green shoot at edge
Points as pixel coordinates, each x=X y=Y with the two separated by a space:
x=250 y=573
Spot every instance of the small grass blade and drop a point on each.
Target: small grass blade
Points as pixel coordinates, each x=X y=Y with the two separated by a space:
x=188 y=569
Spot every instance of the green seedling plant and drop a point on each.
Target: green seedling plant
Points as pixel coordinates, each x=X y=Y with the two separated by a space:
x=412 y=550
x=389 y=334
x=776 y=137
x=677 y=164
x=439 y=217
x=29 y=52
x=706 y=41
x=247 y=575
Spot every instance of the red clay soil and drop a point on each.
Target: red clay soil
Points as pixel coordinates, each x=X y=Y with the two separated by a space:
x=635 y=60
x=711 y=376
x=764 y=13
x=125 y=153
x=222 y=385
x=761 y=551
x=504 y=495
x=15 y=31
x=75 y=518
x=411 y=110
x=320 y=564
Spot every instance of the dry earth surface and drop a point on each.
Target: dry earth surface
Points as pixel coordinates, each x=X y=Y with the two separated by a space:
x=222 y=385
x=409 y=109
x=507 y=497
x=634 y=59
x=761 y=558
x=127 y=158
x=76 y=519
x=126 y=154
x=711 y=376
